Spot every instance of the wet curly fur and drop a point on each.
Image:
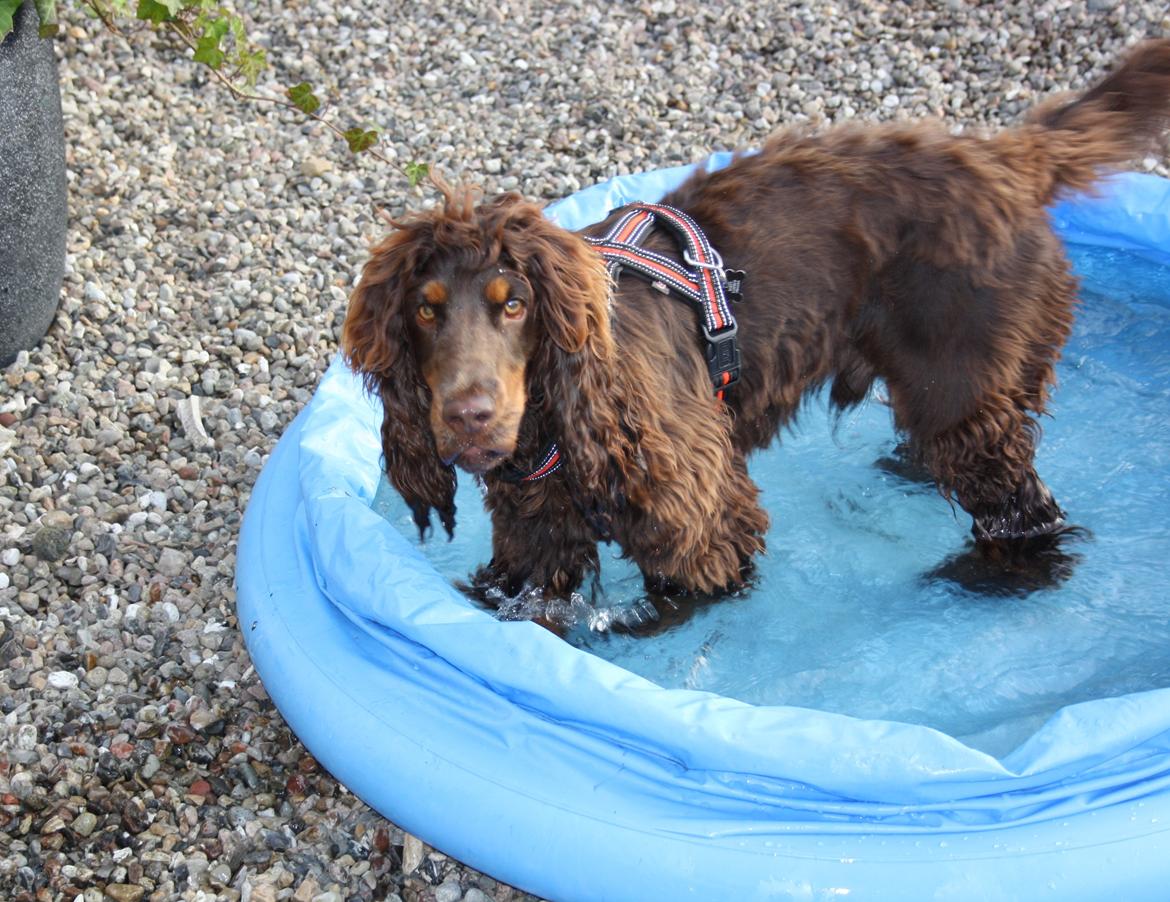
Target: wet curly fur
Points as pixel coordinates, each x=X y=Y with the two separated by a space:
x=900 y=252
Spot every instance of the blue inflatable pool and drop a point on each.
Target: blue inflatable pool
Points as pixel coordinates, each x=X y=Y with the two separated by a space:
x=564 y=774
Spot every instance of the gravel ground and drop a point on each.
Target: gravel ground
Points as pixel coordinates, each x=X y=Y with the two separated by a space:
x=211 y=252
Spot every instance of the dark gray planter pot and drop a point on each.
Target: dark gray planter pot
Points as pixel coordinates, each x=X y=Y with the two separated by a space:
x=32 y=187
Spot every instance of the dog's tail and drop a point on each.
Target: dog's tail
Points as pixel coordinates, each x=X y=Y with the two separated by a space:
x=1112 y=123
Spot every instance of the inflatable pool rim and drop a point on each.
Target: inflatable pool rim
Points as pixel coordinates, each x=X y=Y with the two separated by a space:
x=565 y=775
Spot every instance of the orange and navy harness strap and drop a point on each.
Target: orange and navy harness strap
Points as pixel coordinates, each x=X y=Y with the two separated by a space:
x=700 y=279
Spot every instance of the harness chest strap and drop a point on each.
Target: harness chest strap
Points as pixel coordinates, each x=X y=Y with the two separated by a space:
x=703 y=283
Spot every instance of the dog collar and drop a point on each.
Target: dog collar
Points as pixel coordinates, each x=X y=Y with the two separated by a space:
x=549 y=464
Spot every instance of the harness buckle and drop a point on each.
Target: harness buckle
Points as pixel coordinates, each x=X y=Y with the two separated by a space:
x=723 y=359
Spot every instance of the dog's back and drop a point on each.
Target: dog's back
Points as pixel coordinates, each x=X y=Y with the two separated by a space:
x=924 y=258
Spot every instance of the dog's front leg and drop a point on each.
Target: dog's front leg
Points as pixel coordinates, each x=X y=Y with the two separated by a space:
x=539 y=541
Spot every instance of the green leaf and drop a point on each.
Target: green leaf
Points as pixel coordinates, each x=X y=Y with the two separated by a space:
x=207 y=50
x=47 y=10
x=8 y=9
x=416 y=172
x=158 y=11
x=239 y=35
x=251 y=63
x=360 y=139
x=303 y=98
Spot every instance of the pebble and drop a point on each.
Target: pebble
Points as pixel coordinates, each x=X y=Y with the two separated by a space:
x=211 y=250
x=63 y=679
x=172 y=562
x=219 y=874
x=412 y=853
x=97 y=677
x=84 y=823
x=449 y=891
x=50 y=543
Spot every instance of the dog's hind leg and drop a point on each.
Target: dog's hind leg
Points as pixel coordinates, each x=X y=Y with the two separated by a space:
x=986 y=463
x=968 y=361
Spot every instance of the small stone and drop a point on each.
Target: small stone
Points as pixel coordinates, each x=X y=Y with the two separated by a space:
x=276 y=840
x=449 y=891
x=10 y=557
x=135 y=818
x=307 y=890
x=150 y=767
x=314 y=167
x=97 y=677
x=219 y=874
x=22 y=784
x=84 y=823
x=63 y=679
x=172 y=562
x=180 y=733
x=412 y=853
x=121 y=750
x=94 y=293
x=50 y=543
x=263 y=892
x=53 y=825
x=201 y=718
x=125 y=892
x=58 y=518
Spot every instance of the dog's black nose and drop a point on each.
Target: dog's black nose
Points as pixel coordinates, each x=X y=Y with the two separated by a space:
x=468 y=415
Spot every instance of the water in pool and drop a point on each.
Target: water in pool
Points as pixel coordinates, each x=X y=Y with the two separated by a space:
x=848 y=613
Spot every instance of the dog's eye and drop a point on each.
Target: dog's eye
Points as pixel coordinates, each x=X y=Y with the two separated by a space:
x=514 y=307
x=426 y=314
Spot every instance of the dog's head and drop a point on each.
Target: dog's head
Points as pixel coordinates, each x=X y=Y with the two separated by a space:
x=460 y=310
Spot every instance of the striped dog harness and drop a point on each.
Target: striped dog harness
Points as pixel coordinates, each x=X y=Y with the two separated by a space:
x=700 y=280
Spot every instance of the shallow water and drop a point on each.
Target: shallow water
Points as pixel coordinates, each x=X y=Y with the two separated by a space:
x=845 y=614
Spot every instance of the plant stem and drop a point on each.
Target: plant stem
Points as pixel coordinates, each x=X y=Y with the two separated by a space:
x=182 y=30
x=240 y=94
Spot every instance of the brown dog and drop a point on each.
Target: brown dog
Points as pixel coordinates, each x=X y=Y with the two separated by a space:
x=898 y=252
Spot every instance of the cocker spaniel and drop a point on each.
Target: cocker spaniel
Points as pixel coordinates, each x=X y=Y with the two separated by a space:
x=597 y=408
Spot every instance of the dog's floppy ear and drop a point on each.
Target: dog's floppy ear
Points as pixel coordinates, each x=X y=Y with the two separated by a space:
x=575 y=370
x=376 y=344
